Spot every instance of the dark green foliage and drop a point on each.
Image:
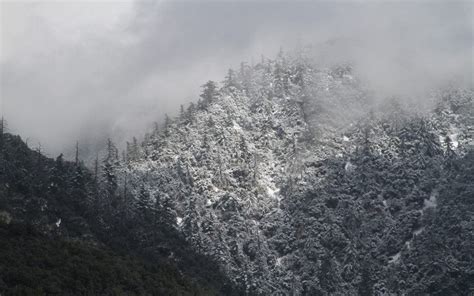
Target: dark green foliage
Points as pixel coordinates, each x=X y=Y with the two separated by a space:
x=33 y=264
x=40 y=191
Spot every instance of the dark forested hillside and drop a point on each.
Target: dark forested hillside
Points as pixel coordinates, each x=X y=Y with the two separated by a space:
x=34 y=264
x=57 y=237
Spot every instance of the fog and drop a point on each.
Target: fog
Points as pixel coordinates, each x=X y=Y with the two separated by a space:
x=88 y=70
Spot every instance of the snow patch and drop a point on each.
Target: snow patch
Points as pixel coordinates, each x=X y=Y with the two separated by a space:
x=408 y=244
x=430 y=203
x=236 y=126
x=395 y=258
x=418 y=231
x=345 y=139
x=384 y=202
x=349 y=167
x=454 y=140
x=179 y=221
x=453 y=136
x=272 y=192
x=278 y=262
x=58 y=223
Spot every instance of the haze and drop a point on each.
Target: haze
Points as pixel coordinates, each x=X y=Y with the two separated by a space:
x=88 y=70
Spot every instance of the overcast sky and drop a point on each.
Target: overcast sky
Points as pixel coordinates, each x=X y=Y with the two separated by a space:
x=85 y=70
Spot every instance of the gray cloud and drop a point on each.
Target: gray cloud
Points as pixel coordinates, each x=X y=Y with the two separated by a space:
x=88 y=70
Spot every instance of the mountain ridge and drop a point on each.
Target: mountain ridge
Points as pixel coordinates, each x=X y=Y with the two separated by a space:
x=291 y=179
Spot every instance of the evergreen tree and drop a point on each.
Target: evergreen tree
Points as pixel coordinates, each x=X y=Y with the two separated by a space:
x=365 y=286
x=144 y=204
x=209 y=94
x=231 y=80
x=191 y=222
x=167 y=213
x=182 y=113
x=190 y=113
x=58 y=177
x=110 y=167
x=133 y=151
x=326 y=275
x=167 y=126
x=79 y=186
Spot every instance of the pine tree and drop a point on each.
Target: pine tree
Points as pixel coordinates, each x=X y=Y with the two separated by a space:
x=76 y=159
x=427 y=140
x=79 y=187
x=58 y=178
x=244 y=151
x=167 y=126
x=154 y=142
x=365 y=286
x=281 y=76
x=133 y=151
x=167 y=213
x=449 y=154
x=190 y=113
x=209 y=94
x=230 y=80
x=191 y=222
x=144 y=203
x=326 y=275
x=110 y=166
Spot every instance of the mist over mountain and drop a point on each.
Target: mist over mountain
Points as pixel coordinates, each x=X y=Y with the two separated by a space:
x=287 y=179
x=194 y=165
x=122 y=65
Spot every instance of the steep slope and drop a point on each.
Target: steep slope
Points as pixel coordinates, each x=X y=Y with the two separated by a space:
x=224 y=163
x=297 y=183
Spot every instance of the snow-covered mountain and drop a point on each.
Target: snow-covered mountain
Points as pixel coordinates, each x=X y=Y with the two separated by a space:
x=284 y=179
x=299 y=181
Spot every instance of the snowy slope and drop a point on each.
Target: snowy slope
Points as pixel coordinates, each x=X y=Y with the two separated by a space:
x=272 y=144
